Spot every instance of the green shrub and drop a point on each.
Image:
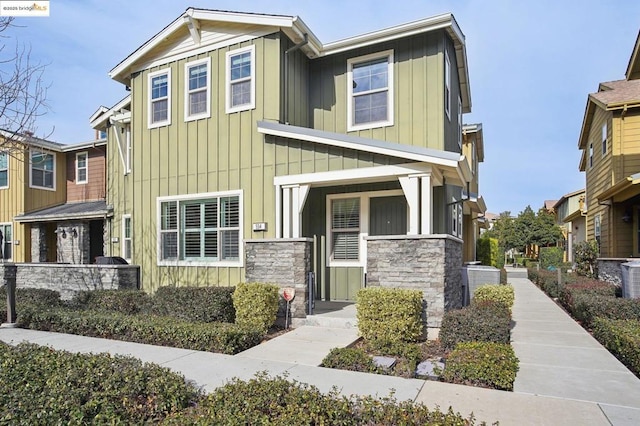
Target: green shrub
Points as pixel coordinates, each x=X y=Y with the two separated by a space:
x=278 y=401
x=484 y=364
x=548 y=281
x=389 y=314
x=481 y=322
x=163 y=331
x=621 y=338
x=256 y=305
x=551 y=257
x=586 y=307
x=585 y=255
x=494 y=293
x=584 y=286
x=128 y=302
x=488 y=252
x=352 y=359
x=41 y=386
x=200 y=304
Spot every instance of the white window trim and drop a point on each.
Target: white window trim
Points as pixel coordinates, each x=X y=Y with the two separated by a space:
x=128 y=148
x=201 y=196
x=447 y=84
x=251 y=105
x=388 y=54
x=207 y=113
x=3 y=224
x=44 y=188
x=123 y=250
x=86 y=168
x=8 y=159
x=364 y=224
x=150 y=77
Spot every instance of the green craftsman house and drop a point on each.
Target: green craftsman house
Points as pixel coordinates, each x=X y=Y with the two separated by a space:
x=248 y=150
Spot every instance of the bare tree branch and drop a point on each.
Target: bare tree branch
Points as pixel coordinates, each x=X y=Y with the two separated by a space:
x=23 y=94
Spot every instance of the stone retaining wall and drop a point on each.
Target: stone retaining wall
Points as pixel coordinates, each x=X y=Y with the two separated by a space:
x=609 y=269
x=429 y=263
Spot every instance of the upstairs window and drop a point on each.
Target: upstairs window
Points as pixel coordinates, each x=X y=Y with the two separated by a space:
x=604 y=139
x=447 y=85
x=42 y=170
x=82 y=167
x=197 y=92
x=345 y=229
x=590 y=155
x=241 y=79
x=160 y=98
x=4 y=170
x=203 y=230
x=126 y=237
x=459 y=122
x=369 y=88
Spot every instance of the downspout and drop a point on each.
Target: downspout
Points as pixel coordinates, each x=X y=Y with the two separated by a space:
x=285 y=113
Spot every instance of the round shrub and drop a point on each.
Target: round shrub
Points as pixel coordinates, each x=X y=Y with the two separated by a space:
x=494 y=293
x=484 y=321
x=256 y=305
x=353 y=359
x=484 y=364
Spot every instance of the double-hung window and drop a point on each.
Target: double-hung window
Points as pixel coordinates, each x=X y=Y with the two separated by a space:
x=370 y=91
x=241 y=84
x=4 y=170
x=197 y=89
x=6 y=241
x=345 y=229
x=159 y=98
x=201 y=229
x=82 y=159
x=590 y=155
x=42 y=170
x=459 y=122
x=126 y=237
x=447 y=85
x=604 y=139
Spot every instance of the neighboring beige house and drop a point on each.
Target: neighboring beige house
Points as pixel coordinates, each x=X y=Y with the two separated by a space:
x=249 y=150
x=475 y=207
x=571 y=217
x=610 y=145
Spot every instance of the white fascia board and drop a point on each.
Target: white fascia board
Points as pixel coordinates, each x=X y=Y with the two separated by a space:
x=101 y=110
x=31 y=140
x=353 y=175
x=84 y=145
x=403 y=30
x=341 y=143
x=123 y=104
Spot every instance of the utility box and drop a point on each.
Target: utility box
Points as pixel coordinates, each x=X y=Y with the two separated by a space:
x=473 y=276
x=631 y=279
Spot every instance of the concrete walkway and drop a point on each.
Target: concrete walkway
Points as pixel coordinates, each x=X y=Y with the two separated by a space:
x=565 y=378
x=558 y=358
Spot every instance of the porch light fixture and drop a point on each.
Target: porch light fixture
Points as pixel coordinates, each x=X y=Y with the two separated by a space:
x=74 y=232
x=64 y=234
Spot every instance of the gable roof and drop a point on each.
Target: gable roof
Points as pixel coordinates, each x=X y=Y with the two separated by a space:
x=611 y=95
x=253 y=25
x=633 y=69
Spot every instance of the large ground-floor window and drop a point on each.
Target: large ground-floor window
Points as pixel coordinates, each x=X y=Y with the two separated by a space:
x=6 y=241
x=200 y=229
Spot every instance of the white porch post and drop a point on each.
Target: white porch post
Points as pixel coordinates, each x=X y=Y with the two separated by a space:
x=278 y=211
x=293 y=199
x=426 y=219
x=410 y=186
x=286 y=212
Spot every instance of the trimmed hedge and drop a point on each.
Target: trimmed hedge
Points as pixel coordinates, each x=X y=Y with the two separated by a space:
x=621 y=338
x=388 y=315
x=352 y=359
x=129 y=302
x=279 y=401
x=256 y=305
x=480 y=322
x=488 y=251
x=587 y=307
x=494 y=293
x=163 y=331
x=41 y=386
x=484 y=364
x=199 y=304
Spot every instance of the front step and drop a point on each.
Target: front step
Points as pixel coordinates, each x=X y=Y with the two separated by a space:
x=330 y=314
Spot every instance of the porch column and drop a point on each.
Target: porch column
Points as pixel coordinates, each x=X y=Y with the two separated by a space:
x=293 y=200
x=426 y=217
x=410 y=187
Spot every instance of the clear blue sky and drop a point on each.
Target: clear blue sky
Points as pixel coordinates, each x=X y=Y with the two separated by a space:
x=531 y=66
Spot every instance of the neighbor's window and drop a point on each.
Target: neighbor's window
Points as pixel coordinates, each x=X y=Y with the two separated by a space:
x=126 y=237
x=345 y=229
x=6 y=230
x=159 y=98
x=604 y=139
x=369 y=88
x=201 y=229
x=42 y=170
x=82 y=167
x=241 y=85
x=456 y=219
x=4 y=170
x=447 y=85
x=590 y=155
x=197 y=92
x=459 y=122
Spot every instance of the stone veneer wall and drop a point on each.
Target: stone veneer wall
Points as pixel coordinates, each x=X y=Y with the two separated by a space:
x=69 y=279
x=429 y=263
x=609 y=269
x=73 y=249
x=286 y=262
x=38 y=243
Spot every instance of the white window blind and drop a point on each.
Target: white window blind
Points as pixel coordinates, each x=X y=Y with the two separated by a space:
x=345 y=228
